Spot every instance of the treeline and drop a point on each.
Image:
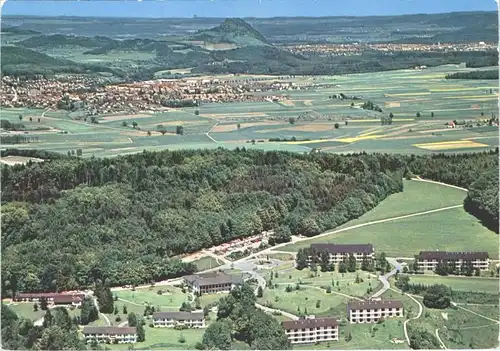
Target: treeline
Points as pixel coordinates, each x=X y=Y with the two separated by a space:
x=135 y=213
x=493 y=74
x=482 y=199
x=18 y=139
x=33 y=153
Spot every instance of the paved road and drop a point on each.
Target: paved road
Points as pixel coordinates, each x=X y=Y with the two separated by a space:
x=418 y=179
x=271 y=310
x=102 y=314
x=405 y=324
x=385 y=278
x=443 y=346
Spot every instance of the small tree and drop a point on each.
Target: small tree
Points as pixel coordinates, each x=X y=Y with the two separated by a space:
x=43 y=304
x=132 y=319
x=260 y=292
x=348 y=337
x=291 y=120
x=38 y=119
x=318 y=304
x=352 y=104
x=179 y=130
x=124 y=310
x=391 y=115
x=432 y=114
x=182 y=339
x=20 y=117
x=197 y=113
x=329 y=290
x=35 y=307
x=116 y=310
x=31 y=119
x=135 y=124
x=124 y=123
x=238 y=126
x=418 y=114
x=336 y=125
x=149 y=133
x=79 y=152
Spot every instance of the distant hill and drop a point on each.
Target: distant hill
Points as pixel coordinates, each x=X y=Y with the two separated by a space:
x=142 y=45
x=21 y=61
x=18 y=30
x=232 y=31
x=57 y=40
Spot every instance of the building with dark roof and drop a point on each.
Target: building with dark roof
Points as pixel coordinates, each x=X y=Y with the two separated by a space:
x=311 y=330
x=370 y=311
x=428 y=260
x=55 y=298
x=111 y=335
x=212 y=282
x=339 y=253
x=173 y=319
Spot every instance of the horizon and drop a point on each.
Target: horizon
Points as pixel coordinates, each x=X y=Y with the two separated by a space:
x=215 y=9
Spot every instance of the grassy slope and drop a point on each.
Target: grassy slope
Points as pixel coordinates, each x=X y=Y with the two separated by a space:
x=487 y=285
x=453 y=230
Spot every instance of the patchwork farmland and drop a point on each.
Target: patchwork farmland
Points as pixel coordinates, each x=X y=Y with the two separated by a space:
x=423 y=104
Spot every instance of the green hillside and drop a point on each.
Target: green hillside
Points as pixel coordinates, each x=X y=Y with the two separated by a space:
x=56 y=40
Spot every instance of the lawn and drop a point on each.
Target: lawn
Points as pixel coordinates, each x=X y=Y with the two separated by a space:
x=460 y=329
x=171 y=299
x=362 y=337
x=207 y=262
x=165 y=339
x=343 y=281
x=476 y=284
x=25 y=310
x=449 y=230
x=304 y=299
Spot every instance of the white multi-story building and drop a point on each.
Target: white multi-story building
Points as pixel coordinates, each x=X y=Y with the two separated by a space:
x=212 y=282
x=173 y=319
x=428 y=260
x=370 y=311
x=339 y=253
x=111 y=335
x=311 y=330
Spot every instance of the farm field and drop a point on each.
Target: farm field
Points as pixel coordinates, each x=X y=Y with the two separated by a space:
x=457 y=228
x=403 y=93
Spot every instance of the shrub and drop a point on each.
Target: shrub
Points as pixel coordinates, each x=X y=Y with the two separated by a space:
x=118 y=319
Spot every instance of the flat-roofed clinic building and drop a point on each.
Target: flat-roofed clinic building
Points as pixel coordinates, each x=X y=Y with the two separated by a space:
x=370 y=311
x=428 y=260
x=212 y=282
x=111 y=335
x=173 y=319
x=339 y=253
x=311 y=330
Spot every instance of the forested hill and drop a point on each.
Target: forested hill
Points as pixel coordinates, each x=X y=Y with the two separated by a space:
x=124 y=218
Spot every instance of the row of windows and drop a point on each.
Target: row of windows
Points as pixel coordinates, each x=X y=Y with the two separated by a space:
x=312 y=329
x=394 y=309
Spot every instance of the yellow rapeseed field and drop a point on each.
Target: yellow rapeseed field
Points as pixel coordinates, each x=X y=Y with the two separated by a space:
x=449 y=145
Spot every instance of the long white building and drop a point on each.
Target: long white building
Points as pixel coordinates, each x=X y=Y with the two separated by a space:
x=173 y=319
x=339 y=253
x=428 y=260
x=111 y=335
x=370 y=311
x=311 y=330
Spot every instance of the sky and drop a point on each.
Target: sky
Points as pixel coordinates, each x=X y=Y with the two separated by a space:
x=240 y=8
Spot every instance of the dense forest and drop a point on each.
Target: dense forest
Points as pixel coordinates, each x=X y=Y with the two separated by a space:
x=492 y=74
x=125 y=219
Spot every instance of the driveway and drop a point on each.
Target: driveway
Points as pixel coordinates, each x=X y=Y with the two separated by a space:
x=385 y=278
